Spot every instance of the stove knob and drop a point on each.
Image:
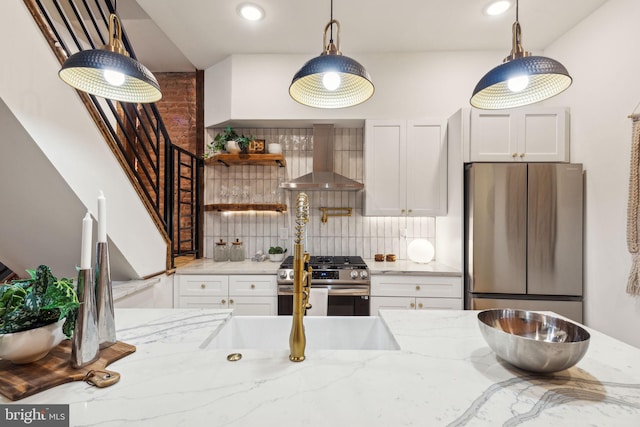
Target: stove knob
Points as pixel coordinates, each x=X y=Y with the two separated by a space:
x=291 y=275
x=353 y=274
x=364 y=274
x=282 y=274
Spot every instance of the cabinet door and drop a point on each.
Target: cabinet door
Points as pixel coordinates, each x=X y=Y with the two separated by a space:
x=253 y=285
x=426 y=170
x=254 y=306
x=493 y=136
x=391 y=303
x=527 y=135
x=384 y=168
x=543 y=135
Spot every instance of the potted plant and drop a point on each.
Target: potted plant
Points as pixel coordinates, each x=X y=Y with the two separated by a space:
x=35 y=315
x=243 y=142
x=276 y=253
x=219 y=143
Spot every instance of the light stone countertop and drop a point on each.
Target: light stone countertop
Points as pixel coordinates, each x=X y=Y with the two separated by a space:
x=405 y=266
x=125 y=288
x=443 y=375
x=208 y=266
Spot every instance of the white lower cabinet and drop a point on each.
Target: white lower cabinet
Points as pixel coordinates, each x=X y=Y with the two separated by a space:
x=247 y=295
x=390 y=292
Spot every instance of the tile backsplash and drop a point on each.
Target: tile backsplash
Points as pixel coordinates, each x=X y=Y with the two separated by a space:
x=354 y=235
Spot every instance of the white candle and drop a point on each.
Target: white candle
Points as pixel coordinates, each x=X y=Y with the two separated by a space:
x=87 y=231
x=102 y=218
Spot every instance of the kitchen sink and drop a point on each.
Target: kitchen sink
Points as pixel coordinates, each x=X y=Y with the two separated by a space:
x=323 y=333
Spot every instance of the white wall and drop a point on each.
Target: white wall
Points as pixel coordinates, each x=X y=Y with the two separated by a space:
x=430 y=84
x=55 y=118
x=602 y=56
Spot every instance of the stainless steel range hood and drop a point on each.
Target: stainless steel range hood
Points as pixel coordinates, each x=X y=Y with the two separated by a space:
x=323 y=177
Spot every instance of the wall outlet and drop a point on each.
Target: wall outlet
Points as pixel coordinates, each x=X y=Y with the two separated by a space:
x=283 y=234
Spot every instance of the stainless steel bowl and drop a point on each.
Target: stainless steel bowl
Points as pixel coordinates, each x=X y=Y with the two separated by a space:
x=533 y=341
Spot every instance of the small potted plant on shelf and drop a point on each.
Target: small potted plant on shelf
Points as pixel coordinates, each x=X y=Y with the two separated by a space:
x=276 y=253
x=219 y=143
x=243 y=143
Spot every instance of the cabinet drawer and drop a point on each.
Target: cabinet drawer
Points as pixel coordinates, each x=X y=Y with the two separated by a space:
x=391 y=303
x=255 y=285
x=417 y=286
x=203 y=302
x=254 y=306
x=203 y=285
x=438 y=303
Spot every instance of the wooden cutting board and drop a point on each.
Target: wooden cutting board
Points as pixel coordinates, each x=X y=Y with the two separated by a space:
x=20 y=381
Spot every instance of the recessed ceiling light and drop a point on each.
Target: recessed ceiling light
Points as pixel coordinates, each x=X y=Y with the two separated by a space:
x=497 y=7
x=250 y=11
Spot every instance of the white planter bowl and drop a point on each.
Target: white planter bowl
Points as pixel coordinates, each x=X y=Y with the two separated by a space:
x=276 y=257
x=32 y=344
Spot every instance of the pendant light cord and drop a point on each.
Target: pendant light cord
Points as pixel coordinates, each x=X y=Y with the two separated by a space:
x=517 y=7
x=331 y=33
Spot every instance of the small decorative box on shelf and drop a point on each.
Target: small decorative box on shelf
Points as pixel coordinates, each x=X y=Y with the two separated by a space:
x=247 y=159
x=239 y=207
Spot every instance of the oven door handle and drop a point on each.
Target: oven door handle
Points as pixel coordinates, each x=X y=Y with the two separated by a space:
x=362 y=291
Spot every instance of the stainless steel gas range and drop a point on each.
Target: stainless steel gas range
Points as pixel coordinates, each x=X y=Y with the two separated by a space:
x=345 y=277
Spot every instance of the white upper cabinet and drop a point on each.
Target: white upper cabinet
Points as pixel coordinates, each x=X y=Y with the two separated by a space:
x=405 y=168
x=522 y=135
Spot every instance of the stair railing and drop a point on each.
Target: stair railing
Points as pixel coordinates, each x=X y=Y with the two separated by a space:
x=165 y=176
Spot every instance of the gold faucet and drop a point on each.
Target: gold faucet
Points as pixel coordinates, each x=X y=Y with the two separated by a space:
x=301 y=282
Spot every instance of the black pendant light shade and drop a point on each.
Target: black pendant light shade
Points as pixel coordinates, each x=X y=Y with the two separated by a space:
x=91 y=71
x=547 y=78
x=331 y=80
x=308 y=88
x=521 y=80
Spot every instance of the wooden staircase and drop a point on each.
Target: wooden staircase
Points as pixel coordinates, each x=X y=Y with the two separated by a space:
x=167 y=178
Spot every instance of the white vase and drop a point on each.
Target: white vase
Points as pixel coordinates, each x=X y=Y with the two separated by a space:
x=232 y=147
x=275 y=148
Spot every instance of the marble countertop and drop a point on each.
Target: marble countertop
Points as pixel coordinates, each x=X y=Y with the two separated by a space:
x=443 y=375
x=208 y=266
x=125 y=288
x=405 y=266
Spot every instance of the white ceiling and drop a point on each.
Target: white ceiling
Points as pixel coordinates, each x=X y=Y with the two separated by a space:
x=170 y=35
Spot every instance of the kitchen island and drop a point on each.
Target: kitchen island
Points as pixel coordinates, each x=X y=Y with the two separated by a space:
x=443 y=375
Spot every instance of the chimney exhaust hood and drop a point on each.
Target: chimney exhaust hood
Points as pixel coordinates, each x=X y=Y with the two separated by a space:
x=323 y=177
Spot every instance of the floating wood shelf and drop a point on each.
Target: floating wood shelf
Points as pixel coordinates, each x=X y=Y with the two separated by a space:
x=247 y=159
x=239 y=207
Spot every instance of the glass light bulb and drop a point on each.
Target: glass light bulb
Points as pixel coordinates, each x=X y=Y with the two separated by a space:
x=331 y=80
x=517 y=84
x=114 y=78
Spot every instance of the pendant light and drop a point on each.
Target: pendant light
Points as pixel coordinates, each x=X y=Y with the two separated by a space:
x=110 y=72
x=522 y=79
x=331 y=80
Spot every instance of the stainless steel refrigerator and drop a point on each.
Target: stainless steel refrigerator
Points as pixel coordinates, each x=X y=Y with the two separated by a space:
x=523 y=237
